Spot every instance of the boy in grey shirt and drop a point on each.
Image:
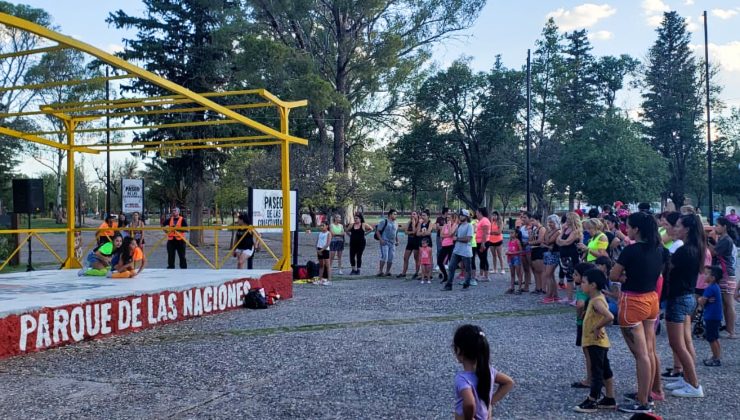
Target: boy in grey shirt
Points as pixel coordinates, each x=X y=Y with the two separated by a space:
x=463 y=250
x=388 y=230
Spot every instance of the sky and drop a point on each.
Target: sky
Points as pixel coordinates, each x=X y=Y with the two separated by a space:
x=506 y=28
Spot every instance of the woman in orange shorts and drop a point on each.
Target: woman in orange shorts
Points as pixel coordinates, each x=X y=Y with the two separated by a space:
x=131 y=261
x=639 y=266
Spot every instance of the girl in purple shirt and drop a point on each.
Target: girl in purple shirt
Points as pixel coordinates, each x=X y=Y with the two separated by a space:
x=474 y=385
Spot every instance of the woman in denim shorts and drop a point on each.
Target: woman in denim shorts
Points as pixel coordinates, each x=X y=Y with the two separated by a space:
x=686 y=263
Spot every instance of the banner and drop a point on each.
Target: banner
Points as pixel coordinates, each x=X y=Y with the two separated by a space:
x=266 y=207
x=132 y=195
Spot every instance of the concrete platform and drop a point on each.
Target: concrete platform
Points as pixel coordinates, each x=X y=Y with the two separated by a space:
x=46 y=309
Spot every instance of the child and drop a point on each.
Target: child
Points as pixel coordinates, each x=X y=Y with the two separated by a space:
x=513 y=256
x=596 y=342
x=474 y=386
x=581 y=303
x=711 y=300
x=425 y=259
x=322 y=252
x=131 y=261
x=612 y=293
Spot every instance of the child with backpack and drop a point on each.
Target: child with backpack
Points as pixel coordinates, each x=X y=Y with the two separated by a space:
x=478 y=386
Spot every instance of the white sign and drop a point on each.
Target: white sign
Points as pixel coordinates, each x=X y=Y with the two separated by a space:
x=132 y=195
x=267 y=209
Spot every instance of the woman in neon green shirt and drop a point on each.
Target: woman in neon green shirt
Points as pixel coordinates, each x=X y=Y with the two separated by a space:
x=598 y=243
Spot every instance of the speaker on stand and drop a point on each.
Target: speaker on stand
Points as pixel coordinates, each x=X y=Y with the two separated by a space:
x=28 y=197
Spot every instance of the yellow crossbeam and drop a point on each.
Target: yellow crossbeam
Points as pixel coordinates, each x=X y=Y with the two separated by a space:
x=157 y=98
x=32 y=138
x=144 y=127
x=65 y=83
x=31 y=52
x=113 y=146
x=201 y=146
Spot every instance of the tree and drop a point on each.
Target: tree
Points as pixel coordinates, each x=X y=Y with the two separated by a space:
x=59 y=66
x=367 y=52
x=672 y=101
x=12 y=73
x=614 y=162
x=189 y=42
x=414 y=164
x=476 y=115
x=726 y=151
x=610 y=74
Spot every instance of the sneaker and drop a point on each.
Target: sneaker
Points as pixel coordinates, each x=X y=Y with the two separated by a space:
x=401 y=276
x=689 y=392
x=631 y=397
x=712 y=362
x=473 y=283
x=326 y=283
x=635 y=408
x=503 y=272
x=548 y=300
x=587 y=406
x=669 y=375
x=677 y=384
x=447 y=289
x=607 y=403
x=81 y=272
x=380 y=274
x=340 y=272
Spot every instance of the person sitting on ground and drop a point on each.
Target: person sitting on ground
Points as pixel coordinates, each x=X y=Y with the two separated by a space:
x=99 y=259
x=131 y=261
x=478 y=387
x=711 y=301
x=596 y=342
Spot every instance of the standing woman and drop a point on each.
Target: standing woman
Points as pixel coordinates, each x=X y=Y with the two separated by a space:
x=638 y=269
x=725 y=255
x=246 y=247
x=571 y=235
x=497 y=241
x=447 y=232
x=686 y=263
x=337 y=242
x=526 y=255
x=357 y=231
x=412 y=245
x=536 y=241
x=123 y=223
x=618 y=239
x=552 y=258
x=597 y=244
x=136 y=232
x=482 y=234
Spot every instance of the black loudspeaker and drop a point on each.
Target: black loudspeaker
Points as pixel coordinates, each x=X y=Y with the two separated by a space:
x=28 y=195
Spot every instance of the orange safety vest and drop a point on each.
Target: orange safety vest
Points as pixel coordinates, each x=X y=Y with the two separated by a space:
x=108 y=233
x=175 y=234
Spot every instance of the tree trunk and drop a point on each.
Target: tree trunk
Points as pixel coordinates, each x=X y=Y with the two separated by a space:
x=339 y=141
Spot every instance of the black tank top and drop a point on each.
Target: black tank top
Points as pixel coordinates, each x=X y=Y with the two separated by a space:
x=567 y=248
x=356 y=235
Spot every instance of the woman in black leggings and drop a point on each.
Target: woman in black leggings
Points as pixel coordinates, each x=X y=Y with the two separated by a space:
x=357 y=231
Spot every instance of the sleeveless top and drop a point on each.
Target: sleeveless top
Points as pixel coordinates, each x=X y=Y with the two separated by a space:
x=496 y=238
x=596 y=244
x=410 y=228
x=536 y=236
x=447 y=240
x=525 y=235
x=356 y=235
x=589 y=322
x=569 y=249
x=424 y=227
x=323 y=239
x=554 y=247
x=337 y=231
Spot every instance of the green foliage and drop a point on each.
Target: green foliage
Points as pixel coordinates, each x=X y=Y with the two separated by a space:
x=726 y=152
x=673 y=101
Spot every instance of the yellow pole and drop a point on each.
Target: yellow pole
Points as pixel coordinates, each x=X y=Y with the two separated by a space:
x=71 y=261
x=285 y=178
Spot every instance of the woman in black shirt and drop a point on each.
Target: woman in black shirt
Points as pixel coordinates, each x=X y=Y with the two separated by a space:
x=245 y=248
x=638 y=268
x=686 y=263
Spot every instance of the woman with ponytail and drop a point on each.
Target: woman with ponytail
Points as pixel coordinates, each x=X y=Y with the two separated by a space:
x=474 y=385
x=724 y=254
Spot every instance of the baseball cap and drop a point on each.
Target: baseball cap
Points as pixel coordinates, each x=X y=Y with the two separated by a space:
x=464 y=212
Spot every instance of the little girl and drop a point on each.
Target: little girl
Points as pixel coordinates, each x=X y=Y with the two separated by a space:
x=322 y=252
x=425 y=259
x=474 y=385
x=513 y=256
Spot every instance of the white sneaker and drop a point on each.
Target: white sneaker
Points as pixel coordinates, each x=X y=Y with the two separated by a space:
x=503 y=272
x=340 y=272
x=491 y=272
x=678 y=384
x=689 y=392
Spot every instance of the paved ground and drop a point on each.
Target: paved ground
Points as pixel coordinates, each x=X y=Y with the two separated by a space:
x=360 y=348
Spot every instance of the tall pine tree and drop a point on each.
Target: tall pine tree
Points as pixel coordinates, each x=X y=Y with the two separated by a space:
x=672 y=102
x=190 y=43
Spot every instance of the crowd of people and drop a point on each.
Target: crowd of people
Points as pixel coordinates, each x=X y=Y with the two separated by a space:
x=631 y=269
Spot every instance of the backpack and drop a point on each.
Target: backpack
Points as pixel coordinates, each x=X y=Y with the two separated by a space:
x=255 y=300
x=378 y=233
x=300 y=272
x=312 y=269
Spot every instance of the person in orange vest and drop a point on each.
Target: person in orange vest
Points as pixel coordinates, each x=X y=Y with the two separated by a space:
x=175 y=239
x=104 y=233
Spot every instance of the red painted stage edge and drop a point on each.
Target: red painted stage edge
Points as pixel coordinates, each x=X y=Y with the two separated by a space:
x=59 y=326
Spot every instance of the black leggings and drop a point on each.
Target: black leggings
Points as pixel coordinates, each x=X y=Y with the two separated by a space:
x=483 y=256
x=444 y=253
x=355 y=252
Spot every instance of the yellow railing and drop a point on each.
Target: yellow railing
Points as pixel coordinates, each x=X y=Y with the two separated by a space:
x=80 y=250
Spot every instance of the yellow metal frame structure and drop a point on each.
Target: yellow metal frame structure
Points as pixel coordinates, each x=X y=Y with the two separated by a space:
x=73 y=114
